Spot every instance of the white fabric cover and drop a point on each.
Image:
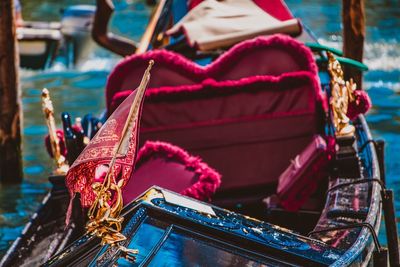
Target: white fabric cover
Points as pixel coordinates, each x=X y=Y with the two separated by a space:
x=214 y=24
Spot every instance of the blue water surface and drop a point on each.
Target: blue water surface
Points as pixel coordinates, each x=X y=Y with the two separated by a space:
x=81 y=90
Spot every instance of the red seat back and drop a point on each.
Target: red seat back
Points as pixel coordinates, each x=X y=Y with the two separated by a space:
x=262 y=56
x=248 y=130
x=247 y=114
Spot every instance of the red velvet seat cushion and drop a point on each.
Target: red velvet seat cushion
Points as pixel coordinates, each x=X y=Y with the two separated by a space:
x=247 y=114
x=262 y=56
x=172 y=168
x=248 y=130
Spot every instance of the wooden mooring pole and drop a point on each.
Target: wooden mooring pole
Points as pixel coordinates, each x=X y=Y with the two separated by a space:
x=353 y=14
x=10 y=103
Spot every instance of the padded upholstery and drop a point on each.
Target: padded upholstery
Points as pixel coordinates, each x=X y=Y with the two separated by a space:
x=303 y=176
x=172 y=168
x=263 y=56
x=247 y=114
x=247 y=130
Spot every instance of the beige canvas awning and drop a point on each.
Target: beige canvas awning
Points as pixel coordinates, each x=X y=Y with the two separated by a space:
x=215 y=24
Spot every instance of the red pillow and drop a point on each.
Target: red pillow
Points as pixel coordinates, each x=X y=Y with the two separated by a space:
x=170 y=167
x=300 y=180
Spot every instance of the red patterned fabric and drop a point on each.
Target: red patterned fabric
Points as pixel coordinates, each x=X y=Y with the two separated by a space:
x=100 y=151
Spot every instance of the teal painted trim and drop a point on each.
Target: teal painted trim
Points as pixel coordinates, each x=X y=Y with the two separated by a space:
x=347 y=62
x=316 y=47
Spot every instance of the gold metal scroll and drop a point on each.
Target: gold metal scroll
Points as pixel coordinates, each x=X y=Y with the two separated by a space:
x=105 y=221
x=48 y=110
x=342 y=94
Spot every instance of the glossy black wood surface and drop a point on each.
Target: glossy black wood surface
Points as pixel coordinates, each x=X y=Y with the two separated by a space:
x=232 y=233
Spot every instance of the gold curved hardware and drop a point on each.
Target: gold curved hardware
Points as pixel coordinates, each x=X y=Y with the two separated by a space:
x=342 y=94
x=48 y=111
x=105 y=221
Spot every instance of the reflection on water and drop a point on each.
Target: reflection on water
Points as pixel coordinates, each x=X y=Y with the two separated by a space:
x=80 y=91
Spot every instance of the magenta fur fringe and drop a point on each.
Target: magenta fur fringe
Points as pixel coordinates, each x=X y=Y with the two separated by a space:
x=360 y=105
x=298 y=51
x=211 y=87
x=209 y=180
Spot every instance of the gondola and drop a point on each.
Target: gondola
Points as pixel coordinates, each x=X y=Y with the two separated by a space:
x=278 y=152
x=40 y=42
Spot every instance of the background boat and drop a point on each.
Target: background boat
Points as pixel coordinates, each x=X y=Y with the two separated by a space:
x=40 y=42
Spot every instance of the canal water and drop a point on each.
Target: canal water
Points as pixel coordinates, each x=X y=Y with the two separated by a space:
x=81 y=90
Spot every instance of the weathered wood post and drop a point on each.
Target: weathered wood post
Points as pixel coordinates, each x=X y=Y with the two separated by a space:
x=10 y=103
x=353 y=36
x=117 y=44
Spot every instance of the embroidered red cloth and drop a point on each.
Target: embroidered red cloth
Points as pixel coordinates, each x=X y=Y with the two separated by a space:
x=100 y=151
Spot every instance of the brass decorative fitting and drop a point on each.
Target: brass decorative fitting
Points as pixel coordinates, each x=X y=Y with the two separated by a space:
x=342 y=93
x=48 y=111
x=105 y=220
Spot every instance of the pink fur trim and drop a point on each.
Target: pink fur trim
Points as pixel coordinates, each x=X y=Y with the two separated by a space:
x=360 y=105
x=162 y=57
x=211 y=88
x=298 y=51
x=209 y=180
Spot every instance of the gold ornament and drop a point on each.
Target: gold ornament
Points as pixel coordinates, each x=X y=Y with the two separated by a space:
x=48 y=110
x=342 y=93
x=105 y=221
